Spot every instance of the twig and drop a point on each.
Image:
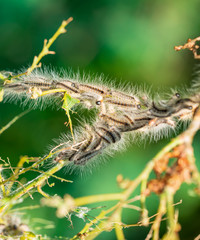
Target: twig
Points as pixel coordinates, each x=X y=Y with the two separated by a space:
x=144 y=211
x=97 y=198
x=118 y=225
x=17 y=169
x=161 y=212
x=191 y=45
x=39 y=188
x=45 y=51
x=20 y=192
x=3 y=129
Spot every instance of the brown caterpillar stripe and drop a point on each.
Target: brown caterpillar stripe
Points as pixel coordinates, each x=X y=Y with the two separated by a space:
x=129 y=119
x=122 y=104
x=95 y=143
x=85 y=145
x=86 y=87
x=67 y=87
x=85 y=157
x=123 y=95
x=110 y=134
x=104 y=137
x=119 y=122
x=142 y=119
x=115 y=112
x=37 y=84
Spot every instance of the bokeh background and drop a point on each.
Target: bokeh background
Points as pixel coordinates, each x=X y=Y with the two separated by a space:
x=128 y=41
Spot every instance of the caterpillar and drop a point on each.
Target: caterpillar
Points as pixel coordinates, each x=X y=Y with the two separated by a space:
x=119 y=113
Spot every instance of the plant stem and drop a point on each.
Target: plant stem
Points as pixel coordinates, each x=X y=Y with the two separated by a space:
x=97 y=198
x=3 y=129
x=144 y=211
x=30 y=185
x=170 y=211
x=118 y=224
x=161 y=212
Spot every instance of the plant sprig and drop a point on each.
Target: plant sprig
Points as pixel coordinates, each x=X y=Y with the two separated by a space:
x=45 y=51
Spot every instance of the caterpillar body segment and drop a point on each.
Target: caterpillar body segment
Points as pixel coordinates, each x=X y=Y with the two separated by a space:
x=97 y=139
x=43 y=81
x=118 y=113
x=180 y=108
x=102 y=91
x=66 y=85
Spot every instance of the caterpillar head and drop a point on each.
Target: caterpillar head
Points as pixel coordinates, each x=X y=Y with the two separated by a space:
x=185 y=109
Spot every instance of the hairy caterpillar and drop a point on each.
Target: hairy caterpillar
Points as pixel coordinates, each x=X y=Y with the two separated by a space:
x=119 y=112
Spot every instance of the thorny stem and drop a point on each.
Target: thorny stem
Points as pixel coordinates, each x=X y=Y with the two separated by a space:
x=20 y=192
x=108 y=224
x=35 y=165
x=87 y=227
x=19 y=166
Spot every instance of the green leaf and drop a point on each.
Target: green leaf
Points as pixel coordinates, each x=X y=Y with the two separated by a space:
x=68 y=103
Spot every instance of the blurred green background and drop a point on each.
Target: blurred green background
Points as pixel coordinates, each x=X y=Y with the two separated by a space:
x=128 y=41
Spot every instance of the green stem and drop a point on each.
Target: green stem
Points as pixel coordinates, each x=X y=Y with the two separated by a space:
x=170 y=211
x=161 y=212
x=118 y=225
x=3 y=129
x=30 y=185
x=97 y=198
x=144 y=211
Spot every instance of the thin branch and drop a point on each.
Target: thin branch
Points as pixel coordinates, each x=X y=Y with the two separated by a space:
x=45 y=51
x=97 y=198
x=3 y=129
x=20 y=192
x=161 y=212
x=118 y=225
